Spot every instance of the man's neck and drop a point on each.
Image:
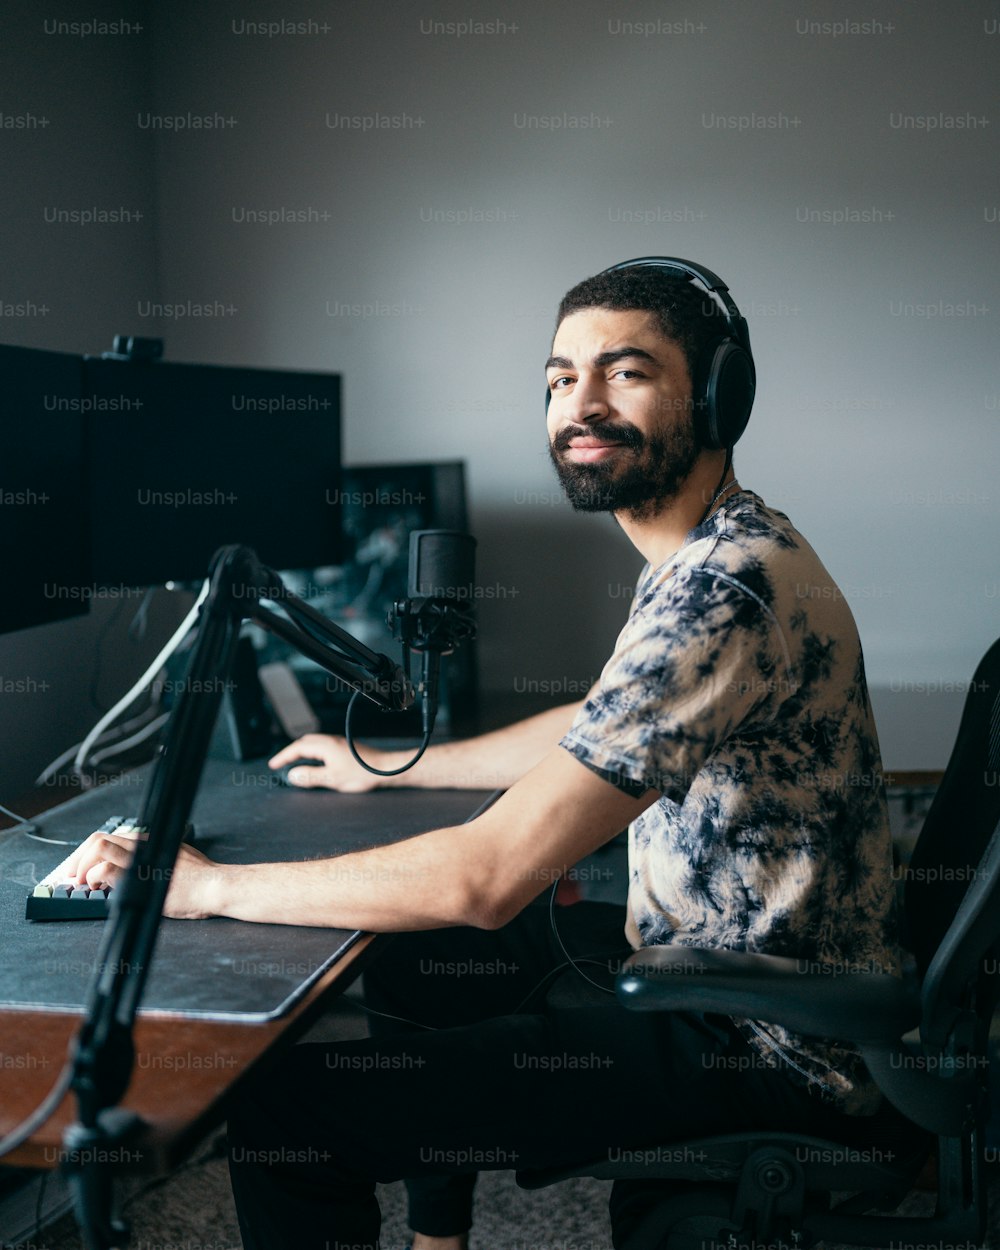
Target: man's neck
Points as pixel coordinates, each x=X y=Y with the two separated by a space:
x=657 y=537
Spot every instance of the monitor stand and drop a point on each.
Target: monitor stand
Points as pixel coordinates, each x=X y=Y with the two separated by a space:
x=243 y=727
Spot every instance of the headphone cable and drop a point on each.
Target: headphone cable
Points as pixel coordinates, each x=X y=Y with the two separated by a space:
x=718 y=490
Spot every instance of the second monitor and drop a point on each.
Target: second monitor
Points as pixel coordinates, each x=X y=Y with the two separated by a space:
x=184 y=458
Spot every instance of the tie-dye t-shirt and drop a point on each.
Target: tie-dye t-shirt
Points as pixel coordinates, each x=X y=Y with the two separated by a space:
x=737 y=690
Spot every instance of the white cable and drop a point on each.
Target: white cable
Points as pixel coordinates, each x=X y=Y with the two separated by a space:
x=154 y=668
x=136 y=722
x=135 y=739
x=14 y=816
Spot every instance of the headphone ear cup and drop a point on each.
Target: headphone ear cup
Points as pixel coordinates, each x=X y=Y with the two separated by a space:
x=722 y=409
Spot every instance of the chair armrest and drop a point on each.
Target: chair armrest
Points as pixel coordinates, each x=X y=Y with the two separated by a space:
x=838 y=1003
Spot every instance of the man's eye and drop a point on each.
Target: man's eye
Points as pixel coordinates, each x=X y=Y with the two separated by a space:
x=554 y=383
x=628 y=373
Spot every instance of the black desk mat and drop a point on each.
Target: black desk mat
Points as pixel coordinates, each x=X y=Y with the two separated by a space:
x=218 y=968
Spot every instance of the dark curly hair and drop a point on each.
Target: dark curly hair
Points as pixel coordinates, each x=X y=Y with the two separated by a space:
x=686 y=313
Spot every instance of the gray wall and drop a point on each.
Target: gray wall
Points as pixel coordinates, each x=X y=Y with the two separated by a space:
x=432 y=254
x=69 y=142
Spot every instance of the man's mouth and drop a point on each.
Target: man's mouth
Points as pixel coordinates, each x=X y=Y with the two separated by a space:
x=588 y=450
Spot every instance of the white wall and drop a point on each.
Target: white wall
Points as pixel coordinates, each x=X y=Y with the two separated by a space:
x=877 y=411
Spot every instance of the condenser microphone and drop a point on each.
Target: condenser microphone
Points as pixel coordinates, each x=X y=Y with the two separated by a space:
x=437 y=613
x=442 y=566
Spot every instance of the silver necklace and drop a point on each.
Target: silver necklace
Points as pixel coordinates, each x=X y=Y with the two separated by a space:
x=720 y=492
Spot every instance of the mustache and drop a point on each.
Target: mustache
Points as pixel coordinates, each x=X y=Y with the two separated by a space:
x=624 y=433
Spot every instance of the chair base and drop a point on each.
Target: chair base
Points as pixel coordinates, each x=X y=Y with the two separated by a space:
x=771 y=1191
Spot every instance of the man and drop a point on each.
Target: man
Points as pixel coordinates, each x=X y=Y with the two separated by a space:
x=730 y=731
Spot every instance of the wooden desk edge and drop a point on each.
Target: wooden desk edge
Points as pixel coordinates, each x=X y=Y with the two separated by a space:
x=175 y=1046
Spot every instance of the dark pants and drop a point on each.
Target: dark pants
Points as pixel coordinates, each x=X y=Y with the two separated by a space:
x=559 y=1082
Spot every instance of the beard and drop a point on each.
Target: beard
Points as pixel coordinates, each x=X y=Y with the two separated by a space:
x=640 y=481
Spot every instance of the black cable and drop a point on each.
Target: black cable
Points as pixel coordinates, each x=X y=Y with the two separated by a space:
x=137 y=626
x=217 y=1150
x=38 y=1208
x=379 y=772
x=568 y=962
x=95 y=677
x=436 y=1028
x=388 y=1015
x=40 y=1114
x=715 y=494
x=562 y=946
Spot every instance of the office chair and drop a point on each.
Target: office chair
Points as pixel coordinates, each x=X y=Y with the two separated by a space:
x=763 y=1189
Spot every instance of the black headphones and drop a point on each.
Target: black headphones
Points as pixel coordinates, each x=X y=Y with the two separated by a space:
x=724 y=375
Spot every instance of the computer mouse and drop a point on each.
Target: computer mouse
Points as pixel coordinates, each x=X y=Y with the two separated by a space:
x=282 y=772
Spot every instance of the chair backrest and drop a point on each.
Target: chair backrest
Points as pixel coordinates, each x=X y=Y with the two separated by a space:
x=952 y=884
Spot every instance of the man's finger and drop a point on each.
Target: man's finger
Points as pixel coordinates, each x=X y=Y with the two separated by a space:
x=104 y=873
x=77 y=857
x=309 y=746
x=294 y=751
x=102 y=848
x=283 y=756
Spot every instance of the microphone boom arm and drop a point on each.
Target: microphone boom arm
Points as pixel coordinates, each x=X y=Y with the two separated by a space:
x=102 y=1054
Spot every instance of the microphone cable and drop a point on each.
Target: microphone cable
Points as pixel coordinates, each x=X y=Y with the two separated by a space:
x=379 y=772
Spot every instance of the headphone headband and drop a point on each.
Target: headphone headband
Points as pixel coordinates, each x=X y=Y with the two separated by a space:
x=711 y=281
x=724 y=377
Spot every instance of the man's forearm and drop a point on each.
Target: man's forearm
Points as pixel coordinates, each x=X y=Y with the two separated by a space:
x=415 y=884
x=481 y=873
x=489 y=761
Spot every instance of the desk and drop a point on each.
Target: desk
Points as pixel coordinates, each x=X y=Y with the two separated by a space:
x=220 y=992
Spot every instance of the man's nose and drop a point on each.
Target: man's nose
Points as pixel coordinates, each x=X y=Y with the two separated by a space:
x=589 y=401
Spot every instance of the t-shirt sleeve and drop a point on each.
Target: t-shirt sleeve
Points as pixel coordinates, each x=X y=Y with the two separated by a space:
x=700 y=658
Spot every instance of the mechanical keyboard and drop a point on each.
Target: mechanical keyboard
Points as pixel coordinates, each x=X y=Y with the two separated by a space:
x=55 y=898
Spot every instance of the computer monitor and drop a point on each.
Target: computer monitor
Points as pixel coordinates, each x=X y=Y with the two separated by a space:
x=185 y=458
x=382 y=505
x=43 y=519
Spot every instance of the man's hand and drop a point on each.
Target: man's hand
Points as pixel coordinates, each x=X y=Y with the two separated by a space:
x=339 y=771
x=103 y=858
x=489 y=761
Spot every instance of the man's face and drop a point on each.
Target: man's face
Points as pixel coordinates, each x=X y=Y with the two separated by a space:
x=620 y=422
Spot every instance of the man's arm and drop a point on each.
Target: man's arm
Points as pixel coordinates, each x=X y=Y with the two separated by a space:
x=481 y=874
x=488 y=762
